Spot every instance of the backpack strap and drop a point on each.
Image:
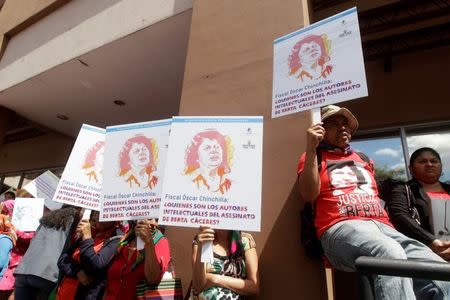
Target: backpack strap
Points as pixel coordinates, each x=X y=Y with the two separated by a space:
x=319 y=159
x=364 y=157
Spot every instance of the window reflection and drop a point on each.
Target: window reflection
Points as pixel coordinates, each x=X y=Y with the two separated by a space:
x=387 y=154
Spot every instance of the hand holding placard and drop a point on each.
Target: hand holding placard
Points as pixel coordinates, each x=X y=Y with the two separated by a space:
x=84 y=230
x=207 y=252
x=86 y=214
x=144 y=232
x=205 y=239
x=316 y=116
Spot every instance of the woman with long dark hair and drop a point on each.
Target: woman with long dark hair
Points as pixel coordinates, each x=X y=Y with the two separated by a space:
x=417 y=195
x=37 y=273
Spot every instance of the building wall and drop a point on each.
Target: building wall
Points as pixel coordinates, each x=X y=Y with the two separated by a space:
x=16 y=15
x=416 y=91
x=75 y=29
x=49 y=150
x=229 y=72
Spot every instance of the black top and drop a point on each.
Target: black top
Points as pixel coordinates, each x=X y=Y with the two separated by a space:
x=399 y=211
x=92 y=263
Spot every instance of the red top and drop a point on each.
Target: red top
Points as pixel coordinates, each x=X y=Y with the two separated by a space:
x=442 y=195
x=122 y=279
x=16 y=254
x=348 y=190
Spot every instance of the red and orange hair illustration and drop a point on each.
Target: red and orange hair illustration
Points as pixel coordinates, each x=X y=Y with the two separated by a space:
x=322 y=41
x=89 y=160
x=124 y=157
x=191 y=155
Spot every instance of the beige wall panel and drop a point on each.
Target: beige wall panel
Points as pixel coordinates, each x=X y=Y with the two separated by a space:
x=50 y=150
x=229 y=72
x=16 y=15
x=77 y=28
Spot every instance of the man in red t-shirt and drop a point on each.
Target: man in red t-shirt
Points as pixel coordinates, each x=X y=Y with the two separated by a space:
x=350 y=220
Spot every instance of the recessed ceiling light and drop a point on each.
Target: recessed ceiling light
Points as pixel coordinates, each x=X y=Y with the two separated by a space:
x=62 y=117
x=119 y=102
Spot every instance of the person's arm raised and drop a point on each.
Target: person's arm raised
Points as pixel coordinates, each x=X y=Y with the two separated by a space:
x=309 y=180
x=152 y=267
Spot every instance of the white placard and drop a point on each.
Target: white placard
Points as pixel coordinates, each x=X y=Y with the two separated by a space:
x=318 y=65
x=81 y=181
x=44 y=186
x=136 y=156
x=207 y=255
x=86 y=214
x=139 y=243
x=213 y=174
x=27 y=212
x=440 y=218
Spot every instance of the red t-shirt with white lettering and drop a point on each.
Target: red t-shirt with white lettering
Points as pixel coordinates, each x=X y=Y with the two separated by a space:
x=348 y=190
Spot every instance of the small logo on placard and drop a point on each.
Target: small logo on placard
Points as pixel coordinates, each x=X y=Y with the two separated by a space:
x=345 y=33
x=249 y=145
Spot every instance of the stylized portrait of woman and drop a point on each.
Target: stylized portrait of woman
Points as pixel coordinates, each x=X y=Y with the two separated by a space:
x=310 y=58
x=347 y=174
x=93 y=162
x=208 y=159
x=138 y=160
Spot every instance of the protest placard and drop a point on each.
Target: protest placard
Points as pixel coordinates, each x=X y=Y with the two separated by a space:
x=135 y=156
x=27 y=212
x=213 y=174
x=318 y=65
x=44 y=186
x=81 y=181
x=440 y=217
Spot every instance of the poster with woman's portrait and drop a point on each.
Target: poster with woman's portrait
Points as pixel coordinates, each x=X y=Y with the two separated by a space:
x=213 y=173
x=81 y=181
x=27 y=212
x=318 y=65
x=136 y=157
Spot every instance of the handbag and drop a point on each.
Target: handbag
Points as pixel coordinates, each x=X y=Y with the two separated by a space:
x=169 y=288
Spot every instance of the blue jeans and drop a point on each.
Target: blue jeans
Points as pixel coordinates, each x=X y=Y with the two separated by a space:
x=345 y=241
x=5 y=247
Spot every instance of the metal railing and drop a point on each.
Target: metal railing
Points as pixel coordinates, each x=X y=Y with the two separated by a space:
x=367 y=266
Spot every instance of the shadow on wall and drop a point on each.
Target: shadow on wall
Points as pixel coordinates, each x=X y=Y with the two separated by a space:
x=284 y=268
x=58 y=22
x=180 y=240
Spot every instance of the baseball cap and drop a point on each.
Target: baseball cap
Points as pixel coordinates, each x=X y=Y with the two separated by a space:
x=331 y=110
